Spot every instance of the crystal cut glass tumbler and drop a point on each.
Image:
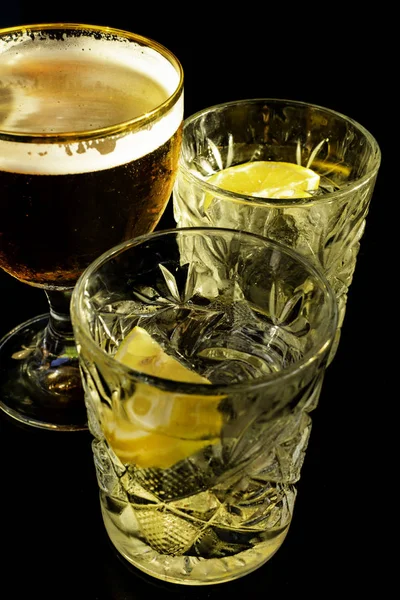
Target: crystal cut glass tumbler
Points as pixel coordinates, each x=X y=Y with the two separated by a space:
x=198 y=476
x=327 y=224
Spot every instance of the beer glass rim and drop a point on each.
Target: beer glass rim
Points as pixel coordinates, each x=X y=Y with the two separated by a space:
x=327 y=197
x=139 y=122
x=312 y=356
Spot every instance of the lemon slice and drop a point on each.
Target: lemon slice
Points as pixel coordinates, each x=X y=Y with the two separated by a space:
x=141 y=352
x=154 y=428
x=265 y=179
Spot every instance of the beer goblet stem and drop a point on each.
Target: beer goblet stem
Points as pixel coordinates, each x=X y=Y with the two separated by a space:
x=58 y=335
x=52 y=368
x=45 y=389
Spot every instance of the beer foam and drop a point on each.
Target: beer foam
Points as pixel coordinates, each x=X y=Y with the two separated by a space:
x=125 y=64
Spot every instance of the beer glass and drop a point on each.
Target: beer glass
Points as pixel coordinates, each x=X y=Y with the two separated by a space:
x=90 y=133
x=324 y=223
x=203 y=353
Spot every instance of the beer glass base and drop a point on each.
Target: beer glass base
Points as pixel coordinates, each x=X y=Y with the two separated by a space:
x=22 y=399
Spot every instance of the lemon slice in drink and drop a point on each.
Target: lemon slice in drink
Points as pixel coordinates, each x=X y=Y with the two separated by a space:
x=265 y=179
x=154 y=428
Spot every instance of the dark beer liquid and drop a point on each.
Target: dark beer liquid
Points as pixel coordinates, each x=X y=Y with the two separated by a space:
x=53 y=226
x=60 y=209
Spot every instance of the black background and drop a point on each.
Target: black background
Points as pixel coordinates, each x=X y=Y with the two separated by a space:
x=52 y=541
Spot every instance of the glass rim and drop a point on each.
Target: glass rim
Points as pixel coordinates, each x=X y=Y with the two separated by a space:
x=132 y=124
x=280 y=202
x=311 y=356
